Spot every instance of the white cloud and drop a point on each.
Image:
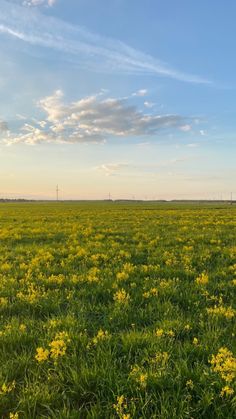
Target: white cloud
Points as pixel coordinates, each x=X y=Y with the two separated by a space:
x=86 y=49
x=53 y=106
x=202 y=132
x=33 y=3
x=144 y=144
x=141 y=92
x=42 y=124
x=148 y=104
x=91 y=119
x=186 y=128
x=30 y=135
x=21 y=117
x=111 y=169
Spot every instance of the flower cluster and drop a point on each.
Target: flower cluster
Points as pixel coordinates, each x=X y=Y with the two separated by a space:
x=121 y=408
x=121 y=297
x=41 y=354
x=153 y=292
x=226 y=391
x=161 y=333
x=221 y=311
x=101 y=335
x=7 y=388
x=202 y=279
x=57 y=348
x=138 y=375
x=224 y=363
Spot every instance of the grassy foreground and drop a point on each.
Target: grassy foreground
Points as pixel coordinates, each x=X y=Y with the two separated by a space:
x=112 y=310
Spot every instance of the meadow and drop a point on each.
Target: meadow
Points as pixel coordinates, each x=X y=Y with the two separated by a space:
x=117 y=310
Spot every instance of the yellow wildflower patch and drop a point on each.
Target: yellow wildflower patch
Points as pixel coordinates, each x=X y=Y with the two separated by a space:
x=41 y=354
x=101 y=335
x=202 y=279
x=224 y=363
x=7 y=388
x=121 y=297
x=221 y=311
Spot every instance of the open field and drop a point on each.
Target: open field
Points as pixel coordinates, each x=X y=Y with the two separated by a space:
x=114 y=310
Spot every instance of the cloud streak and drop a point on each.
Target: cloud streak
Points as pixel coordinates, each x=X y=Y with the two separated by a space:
x=35 y=3
x=92 y=119
x=85 y=48
x=111 y=169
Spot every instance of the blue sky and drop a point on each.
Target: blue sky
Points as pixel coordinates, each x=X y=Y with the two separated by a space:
x=128 y=97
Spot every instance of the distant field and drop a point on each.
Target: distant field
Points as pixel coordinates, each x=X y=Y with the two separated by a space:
x=117 y=310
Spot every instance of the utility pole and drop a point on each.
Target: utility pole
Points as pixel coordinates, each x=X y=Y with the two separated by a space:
x=57 y=193
x=231 y=198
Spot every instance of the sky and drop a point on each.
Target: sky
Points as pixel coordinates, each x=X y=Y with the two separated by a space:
x=129 y=98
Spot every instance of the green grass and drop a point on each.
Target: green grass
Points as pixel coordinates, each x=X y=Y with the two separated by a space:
x=99 y=280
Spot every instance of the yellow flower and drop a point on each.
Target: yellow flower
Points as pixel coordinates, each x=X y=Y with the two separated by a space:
x=154 y=291
x=122 y=276
x=143 y=379
x=3 y=302
x=22 y=328
x=224 y=363
x=189 y=384
x=170 y=333
x=101 y=335
x=13 y=415
x=195 y=341
x=7 y=388
x=63 y=335
x=58 y=348
x=161 y=359
x=159 y=333
x=138 y=375
x=121 y=296
x=120 y=407
x=226 y=391
x=227 y=312
x=187 y=327
x=128 y=267
x=120 y=400
x=42 y=354
x=93 y=275
x=5 y=266
x=202 y=279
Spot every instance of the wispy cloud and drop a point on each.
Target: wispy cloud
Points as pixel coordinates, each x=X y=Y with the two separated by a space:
x=87 y=49
x=148 y=104
x=111 y=169
x=91 y=119
x=129 y=169
x=141 y=93
x=186 y=128
x=34 y=3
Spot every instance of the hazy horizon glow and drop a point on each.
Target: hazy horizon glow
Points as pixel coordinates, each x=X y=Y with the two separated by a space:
x=117 y=98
